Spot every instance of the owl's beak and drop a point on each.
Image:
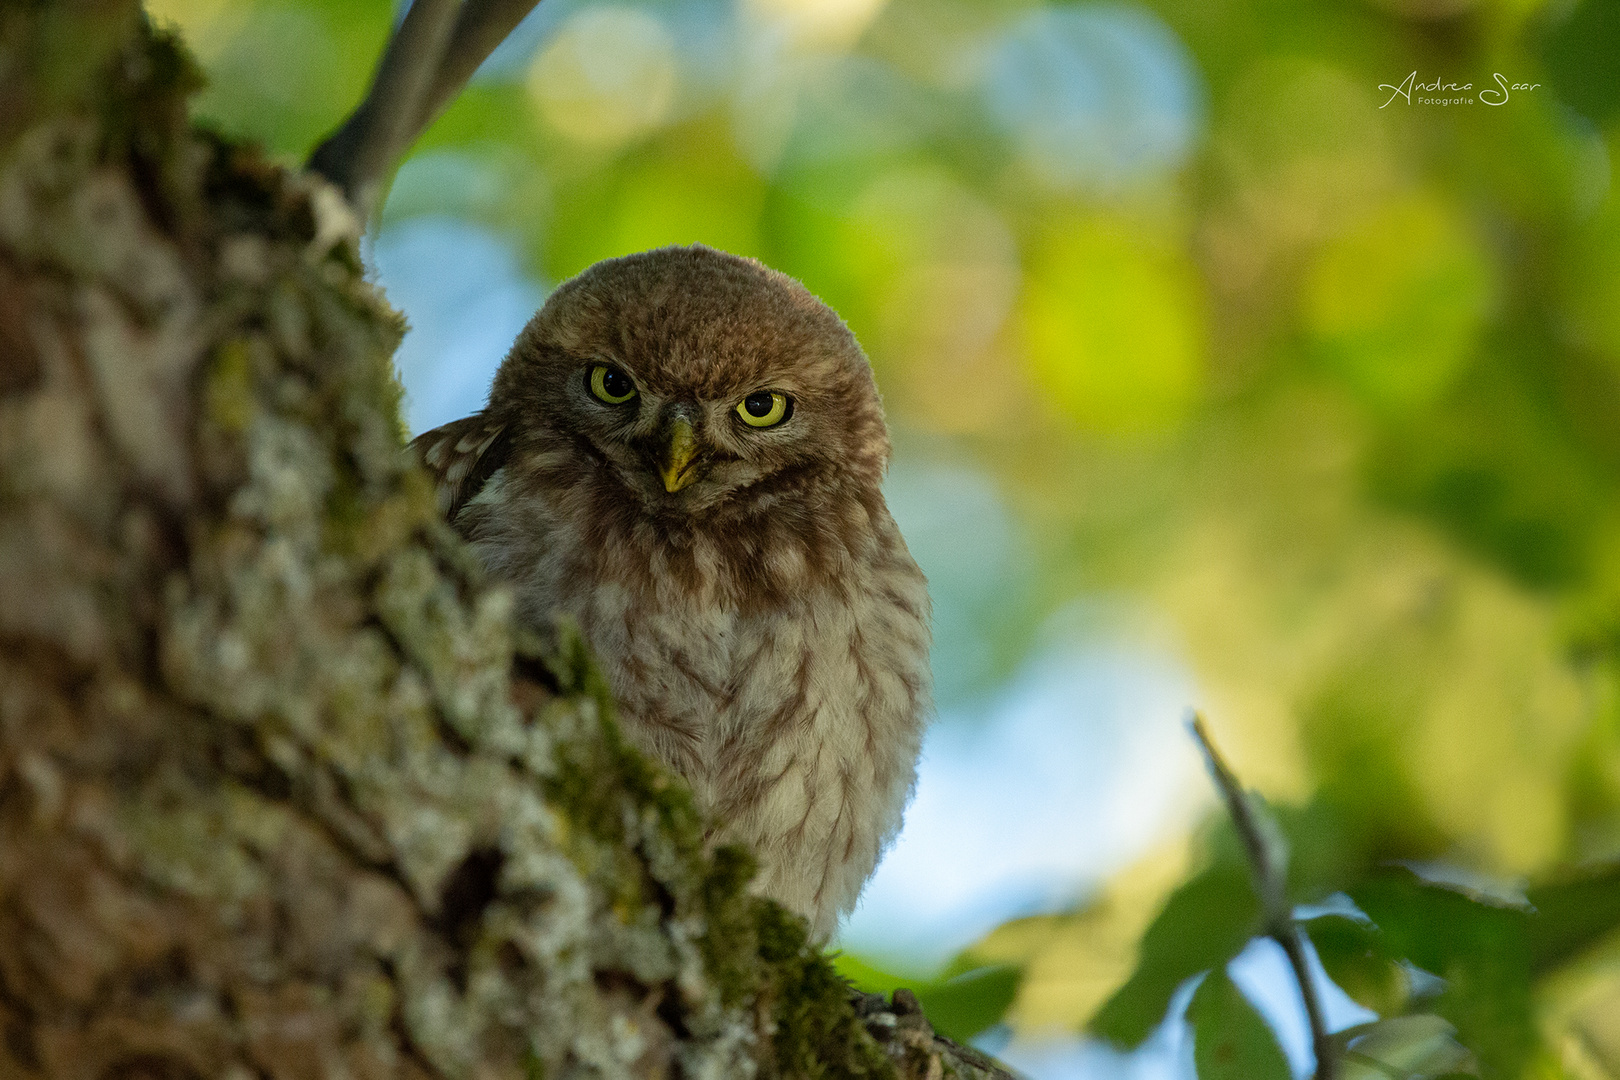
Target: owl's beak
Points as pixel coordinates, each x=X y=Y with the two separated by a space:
x=677 y=468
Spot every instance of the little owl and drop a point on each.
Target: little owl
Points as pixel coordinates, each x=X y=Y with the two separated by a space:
x=683 y=453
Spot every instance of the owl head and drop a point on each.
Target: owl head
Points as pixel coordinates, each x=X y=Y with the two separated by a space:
x=688 y=383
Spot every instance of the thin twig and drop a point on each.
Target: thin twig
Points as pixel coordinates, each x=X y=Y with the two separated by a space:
x=1271 y=885
x=360 y=154
x=1322 y=1044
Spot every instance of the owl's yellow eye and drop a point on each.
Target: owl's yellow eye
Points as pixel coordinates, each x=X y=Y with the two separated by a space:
x=611 y=385
x=764 y=408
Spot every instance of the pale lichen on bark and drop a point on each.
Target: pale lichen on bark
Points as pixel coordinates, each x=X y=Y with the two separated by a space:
x=272 y=800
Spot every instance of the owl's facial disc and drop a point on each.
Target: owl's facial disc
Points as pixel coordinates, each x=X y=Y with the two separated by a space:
x=694 y=449
x=684 y=446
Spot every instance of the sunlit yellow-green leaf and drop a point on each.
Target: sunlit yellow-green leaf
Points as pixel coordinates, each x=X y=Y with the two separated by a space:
x=689 y=188
x=1591 y=300
x=1203 y=924
x=1397 y=301
x=1114 y=328
x=280 y=72
x=1073 y=963
x=608 y=76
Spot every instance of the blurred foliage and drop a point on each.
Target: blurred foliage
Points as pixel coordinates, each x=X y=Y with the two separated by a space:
x=961 y=1001
x=1231 y=1040
x=1327 y=377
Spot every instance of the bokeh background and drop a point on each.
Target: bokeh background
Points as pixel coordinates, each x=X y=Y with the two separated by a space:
x=1222 y=373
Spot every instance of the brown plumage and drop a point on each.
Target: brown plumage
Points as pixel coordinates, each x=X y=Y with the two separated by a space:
x=683 y=452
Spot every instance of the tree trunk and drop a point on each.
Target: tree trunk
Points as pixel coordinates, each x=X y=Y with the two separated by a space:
x=275 y=798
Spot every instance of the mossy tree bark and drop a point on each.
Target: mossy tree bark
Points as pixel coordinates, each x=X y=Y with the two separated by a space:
x=282 y=793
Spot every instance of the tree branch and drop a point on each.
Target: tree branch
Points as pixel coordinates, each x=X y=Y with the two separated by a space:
x=1267 y=861
x=483 y=25
x=212 y=773
x=429 y=58
x=360 y=153
x=899 y=1026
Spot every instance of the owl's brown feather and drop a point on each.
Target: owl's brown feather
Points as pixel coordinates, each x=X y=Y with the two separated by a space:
x=461 y=455
x=752 y=603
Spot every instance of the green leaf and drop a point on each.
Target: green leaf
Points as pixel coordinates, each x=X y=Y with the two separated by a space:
x=1403 y=1046
x=1205 y=923
x=962 y=1001
x=1480 y=949
x=1357 y=958
x=1326 y=850
x=1573 y=914
x=870 y=978
x=484 y=114
x=961 y=1007
x=1231 y=1041
x=1580 y=60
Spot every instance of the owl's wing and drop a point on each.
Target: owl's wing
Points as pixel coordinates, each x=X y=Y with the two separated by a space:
x=462 y=455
